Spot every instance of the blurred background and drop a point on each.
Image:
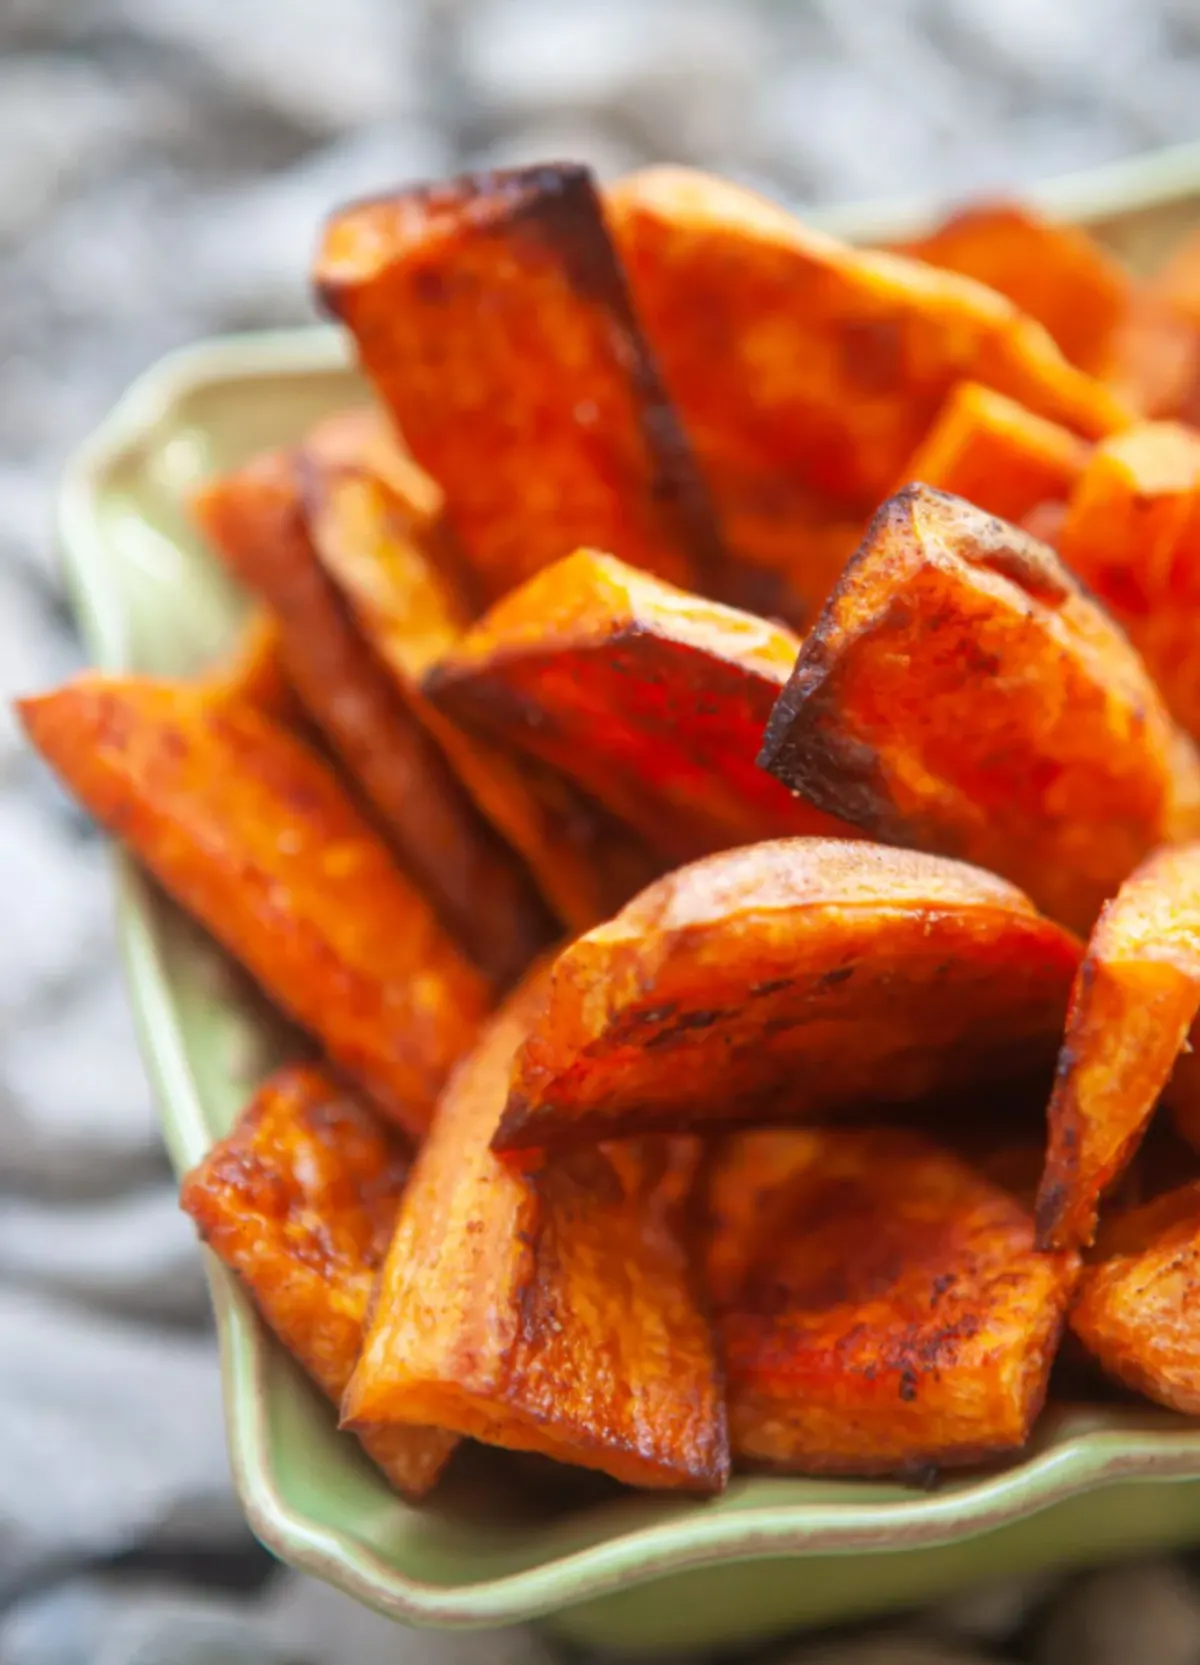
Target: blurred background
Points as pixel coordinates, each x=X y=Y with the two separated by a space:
x=163 y=168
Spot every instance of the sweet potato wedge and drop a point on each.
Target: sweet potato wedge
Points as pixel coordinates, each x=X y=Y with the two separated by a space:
x=300 y=1200
x=961 y=693
x=1135 y=997
x=1054 y=273
x=254 y=673
x=1157 y=357
x=807 y=372
x=1132 y=533
x=799 y=980
x=1138 y=1303
x=250 y=832
x=492 y=316
x=881 y=1308
x=547 y=1310
x=653 y=700
x=254 y=517
x=996 y=454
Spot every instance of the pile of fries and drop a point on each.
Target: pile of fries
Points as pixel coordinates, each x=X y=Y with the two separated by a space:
x=712 y=763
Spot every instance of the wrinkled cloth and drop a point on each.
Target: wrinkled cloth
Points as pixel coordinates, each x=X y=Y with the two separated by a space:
x=164 y=166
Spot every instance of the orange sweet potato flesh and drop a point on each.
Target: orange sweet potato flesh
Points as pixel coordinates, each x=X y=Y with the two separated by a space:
x=651 y=699
x=880 y=1306
x=961 y=693
x=254 y=673
x=1157 y=358
x=808 y=372
x=549 y=1310
x=1134 y=1000
x=1054 y=273
x=797 y=980
x=1132 y=533
x=492 y=316
x=997 y=454
x=584 y=863
x=300 y=1200
x=256 y=837
x=1136 y=1309
x=254 y=517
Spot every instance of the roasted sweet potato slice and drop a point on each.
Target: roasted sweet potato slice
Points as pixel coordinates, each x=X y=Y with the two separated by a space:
x=549 y=1310
x=255 y=836
x=880 y=1306
x=254 y=674
x=1156 y=364
x=254 y=517
x=653 y=700
x=1136 y=995
x=997 y=454
x=1138 y=1309
x=807 y=372
x=492 y=316
x=1054 y=273
x=1132 y=533
x=300 y=1200
x=961 y=693
x=798 y=980
x=585 y=864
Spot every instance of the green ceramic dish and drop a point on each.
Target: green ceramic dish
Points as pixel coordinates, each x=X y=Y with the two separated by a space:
x=638 y=1573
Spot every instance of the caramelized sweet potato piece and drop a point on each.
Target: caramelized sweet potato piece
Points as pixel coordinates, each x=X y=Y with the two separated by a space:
x=254 y=517
x=807 y=372
x=1054 y=273
x=1138 y=1309
x=1135 y=998
x=547 y=1310
x=880 y=1306
x=254 y=835
x=1132 y=533
x=996 y=454
x=492 y=316
x=1157 y=355
x=300 y=1200
x=653 y=700
x=367 y=539
x=254 y=673
x=960 y=693
x=798 y=980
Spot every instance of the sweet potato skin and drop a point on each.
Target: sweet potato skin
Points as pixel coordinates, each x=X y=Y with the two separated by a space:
x=546 y=1309
x=550 y=380
x=255 y=518
x=1055 y=274
x=997 y=454
x=725 y=994
x=651 y=699
x=1135 y=998
x=807 y=372
x=251 y=833
x=1069 y=769
x=881 y=1307
x=1132 y=533
x=1137 y=1306
x=300 y=1199
x=585 y=865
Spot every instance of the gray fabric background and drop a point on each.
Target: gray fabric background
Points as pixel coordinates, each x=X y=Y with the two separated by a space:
x=163 y=165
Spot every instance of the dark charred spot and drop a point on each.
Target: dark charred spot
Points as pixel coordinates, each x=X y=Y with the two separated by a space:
x=775 y=986
x=908 y=1386
x=839 y=974
x=1051 y=1203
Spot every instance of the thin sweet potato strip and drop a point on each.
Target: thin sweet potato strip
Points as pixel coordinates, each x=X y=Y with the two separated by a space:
x=807 y=372
x=880 y=1306
x=961 y=693
x=254 y=673
x=1135 y=997
x=1132 y=533
x=584 y=864
x=1137 y=1304
x=492 y=316
x=549 y=1310
x=1054 y=273
x=300 y=1199
x=797 y=980
x=996 y=454
x=653 y=700
x=254 y=517
x=250 y=832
